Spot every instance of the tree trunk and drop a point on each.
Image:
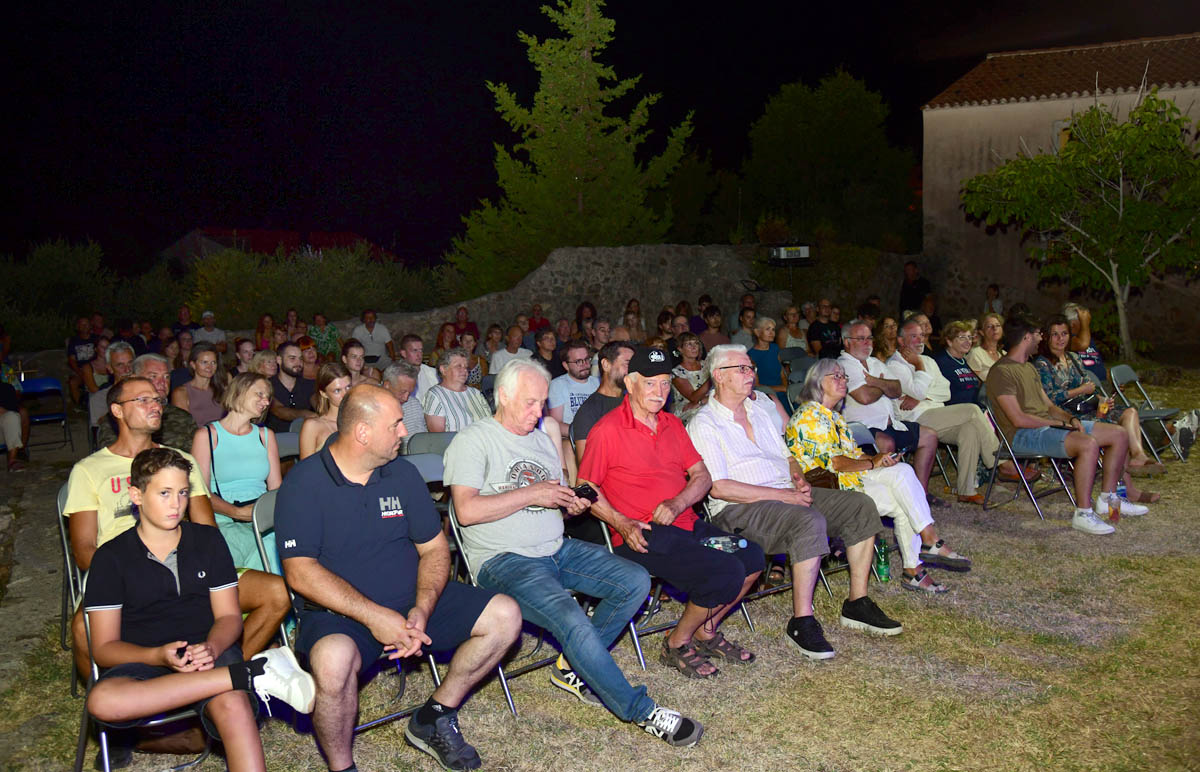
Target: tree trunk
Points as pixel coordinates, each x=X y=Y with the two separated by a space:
x=1121 y=296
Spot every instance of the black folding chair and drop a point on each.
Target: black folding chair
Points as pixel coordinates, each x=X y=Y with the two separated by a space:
x=40 y=388
x=1006 y=453
x=1148 y=412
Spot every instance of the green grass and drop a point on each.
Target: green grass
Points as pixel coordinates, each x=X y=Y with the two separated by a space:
x=1059 y=651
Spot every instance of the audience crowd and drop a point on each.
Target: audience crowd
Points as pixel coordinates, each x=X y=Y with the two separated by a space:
x=714 y=449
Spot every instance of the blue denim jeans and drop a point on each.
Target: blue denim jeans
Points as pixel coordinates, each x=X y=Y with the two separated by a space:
x=540 y=586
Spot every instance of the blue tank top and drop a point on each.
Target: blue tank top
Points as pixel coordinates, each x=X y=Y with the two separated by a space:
x=240 y=464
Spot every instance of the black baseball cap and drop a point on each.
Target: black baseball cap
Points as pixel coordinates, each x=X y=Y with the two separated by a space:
x=650 y=362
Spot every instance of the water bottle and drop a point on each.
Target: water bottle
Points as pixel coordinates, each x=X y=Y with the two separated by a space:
x=725 y=543
x=883 y=566
x=1121 y=489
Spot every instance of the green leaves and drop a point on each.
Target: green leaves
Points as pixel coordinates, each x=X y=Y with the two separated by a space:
x=577 y=176
x=1119 y=202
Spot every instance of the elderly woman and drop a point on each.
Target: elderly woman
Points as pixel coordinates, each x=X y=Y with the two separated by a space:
x=239 y=462
x=452 y=404
x=952 y=361
x=988 y=352
x=772 y=373
x=333 y=381
x=1065 y=378
x=264 y=363
x=689 y=379
x=326 y=336
x=818 y=438
x=201 y=396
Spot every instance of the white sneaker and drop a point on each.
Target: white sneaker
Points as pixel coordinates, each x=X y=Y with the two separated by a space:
x=1104 y=503
x=283 y=677
x=1085 y=520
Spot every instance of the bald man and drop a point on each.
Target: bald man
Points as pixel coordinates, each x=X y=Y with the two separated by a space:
x=363 y=548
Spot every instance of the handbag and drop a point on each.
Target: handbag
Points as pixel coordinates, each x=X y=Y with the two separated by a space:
x=819 y=477
x=1082 y=406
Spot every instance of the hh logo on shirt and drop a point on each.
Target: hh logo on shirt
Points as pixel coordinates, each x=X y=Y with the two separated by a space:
x=389 y=506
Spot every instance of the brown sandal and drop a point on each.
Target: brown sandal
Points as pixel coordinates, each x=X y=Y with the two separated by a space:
x=718 y=647
x=687 y=660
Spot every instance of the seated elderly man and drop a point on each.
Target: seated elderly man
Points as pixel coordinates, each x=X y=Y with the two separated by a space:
x=400 y=378
x=507 y=487
x=921 y=380
x=874 y=399
x=647 y=475
x=363 y=548
x=759 y=492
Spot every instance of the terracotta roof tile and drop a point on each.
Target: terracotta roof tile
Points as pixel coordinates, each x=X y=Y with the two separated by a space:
x=1056 y=73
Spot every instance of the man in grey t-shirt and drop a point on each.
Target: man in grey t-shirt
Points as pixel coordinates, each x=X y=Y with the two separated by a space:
x=506 y=486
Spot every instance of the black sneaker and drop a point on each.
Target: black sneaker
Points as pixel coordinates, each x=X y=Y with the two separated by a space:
x=1187 y=438
x=672 y=727
x=863 y=614
x=806 y=633
x=444 y=741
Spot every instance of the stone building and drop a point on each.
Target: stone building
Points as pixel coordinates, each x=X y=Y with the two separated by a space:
x=1028 y=97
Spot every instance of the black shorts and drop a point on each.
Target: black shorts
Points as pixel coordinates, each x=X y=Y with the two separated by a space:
x=709 y=576
x=906 y=439
x=141 y=672
x=450 y=624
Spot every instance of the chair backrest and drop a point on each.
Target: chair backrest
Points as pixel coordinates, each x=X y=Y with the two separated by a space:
x=861 y=434
x=295 y=425
x=288 y=444
x=33 y=386
x=798 y=369
x=793 y=394
x=429 y=442
x=263 y=518
x=428 y=464
x=1122 y=374
x=71 y=573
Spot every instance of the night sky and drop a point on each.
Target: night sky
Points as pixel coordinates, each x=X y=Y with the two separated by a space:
x=131 y=123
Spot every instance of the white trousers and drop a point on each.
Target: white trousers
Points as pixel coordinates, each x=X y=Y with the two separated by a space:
x=898 y=494
x=10 y=429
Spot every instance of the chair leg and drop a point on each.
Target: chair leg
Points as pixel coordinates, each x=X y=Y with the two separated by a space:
x=81 y=742
x=507 y=693
x=433 y=672
x=825 y=582
x=637 y=644
x=1149 y=443
x=65 y=617
x=746 y=614
x=198 y=760
x=1062 y=480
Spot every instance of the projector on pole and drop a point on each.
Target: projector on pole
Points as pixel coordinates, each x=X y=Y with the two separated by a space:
x=790 y=256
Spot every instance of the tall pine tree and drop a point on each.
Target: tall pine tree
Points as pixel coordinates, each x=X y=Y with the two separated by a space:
x=574 y=178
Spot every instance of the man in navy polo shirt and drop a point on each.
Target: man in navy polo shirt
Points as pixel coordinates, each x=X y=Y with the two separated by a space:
x=362 y=546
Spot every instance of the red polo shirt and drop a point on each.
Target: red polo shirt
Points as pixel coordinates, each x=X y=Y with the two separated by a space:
x=637 y=468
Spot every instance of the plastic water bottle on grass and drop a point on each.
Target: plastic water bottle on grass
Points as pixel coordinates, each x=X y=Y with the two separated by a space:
x=725 y=543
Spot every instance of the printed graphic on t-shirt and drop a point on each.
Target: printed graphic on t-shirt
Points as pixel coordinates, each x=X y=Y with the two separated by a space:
x=390 y=506
x=521 y=474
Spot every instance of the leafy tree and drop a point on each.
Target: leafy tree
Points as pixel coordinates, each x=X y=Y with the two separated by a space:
x=821 y=155
x=574 y=178
x=1117 y=204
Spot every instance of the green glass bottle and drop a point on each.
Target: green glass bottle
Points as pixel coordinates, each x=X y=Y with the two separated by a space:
x=883 y=566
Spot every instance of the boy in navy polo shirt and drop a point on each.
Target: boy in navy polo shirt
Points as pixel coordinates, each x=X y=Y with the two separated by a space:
x=362 y=546
x=164 y=618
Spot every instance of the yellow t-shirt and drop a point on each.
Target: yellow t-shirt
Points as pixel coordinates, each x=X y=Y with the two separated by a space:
x=100 y=482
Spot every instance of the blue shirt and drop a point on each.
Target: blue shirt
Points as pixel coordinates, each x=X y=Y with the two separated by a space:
x=964 y=383
x=366 y=534
x=770 y=370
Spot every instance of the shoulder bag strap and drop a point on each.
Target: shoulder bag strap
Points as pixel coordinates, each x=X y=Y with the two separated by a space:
x=212 y=461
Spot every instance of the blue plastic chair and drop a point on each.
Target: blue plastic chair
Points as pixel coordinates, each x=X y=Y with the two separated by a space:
x=37 y=388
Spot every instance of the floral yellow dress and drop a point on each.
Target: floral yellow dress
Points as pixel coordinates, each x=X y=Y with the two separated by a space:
x=815 y=435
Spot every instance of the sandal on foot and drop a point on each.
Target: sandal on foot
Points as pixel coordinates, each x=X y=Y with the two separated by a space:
x=1149 y=469
x=951 y=561
x=922 y=582
x=1146 y=497
x=718 y=647
x=775 y=577
x=687 y=660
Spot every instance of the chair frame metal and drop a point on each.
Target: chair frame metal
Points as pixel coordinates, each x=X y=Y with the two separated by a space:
x=1148 y=412
x=47 y=386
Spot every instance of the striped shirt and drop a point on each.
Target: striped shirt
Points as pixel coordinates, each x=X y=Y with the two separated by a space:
x=459 y=408
x=730 y=454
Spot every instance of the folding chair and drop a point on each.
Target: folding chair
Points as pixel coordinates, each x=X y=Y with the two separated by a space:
x=37 y=388
x=170 y=717
x=431 y=469
x=288 y=444
x=1006 y=453
x=798 y=367
x=1122 y=376
x=263 y=517
x=429 y=442
x=296 y=424
x=72 y=585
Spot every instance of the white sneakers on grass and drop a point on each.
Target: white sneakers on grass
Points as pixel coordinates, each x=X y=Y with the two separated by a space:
x=1085 y=520
x=1106 y=502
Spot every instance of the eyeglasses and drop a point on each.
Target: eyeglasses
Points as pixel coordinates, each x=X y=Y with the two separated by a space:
x=838 y=376
x=963 y=336
x=743 y=369
x=145 y=401
x=856 y=337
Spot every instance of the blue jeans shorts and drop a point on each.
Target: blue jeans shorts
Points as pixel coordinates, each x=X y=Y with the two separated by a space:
x=1045 y=440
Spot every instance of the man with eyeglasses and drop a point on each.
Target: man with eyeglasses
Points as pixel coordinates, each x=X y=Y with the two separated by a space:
x=177 y=427
x=570 y=390
x=926 y=393
x=759 y=492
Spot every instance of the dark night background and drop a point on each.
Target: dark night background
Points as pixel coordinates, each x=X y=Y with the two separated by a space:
x=132 y=123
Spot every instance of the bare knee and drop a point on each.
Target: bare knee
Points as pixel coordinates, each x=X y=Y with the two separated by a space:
x=335 y=663
x=230 y=707
x=884 y=443
x=928 y=438
x=502 y=617
x=104 y=703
